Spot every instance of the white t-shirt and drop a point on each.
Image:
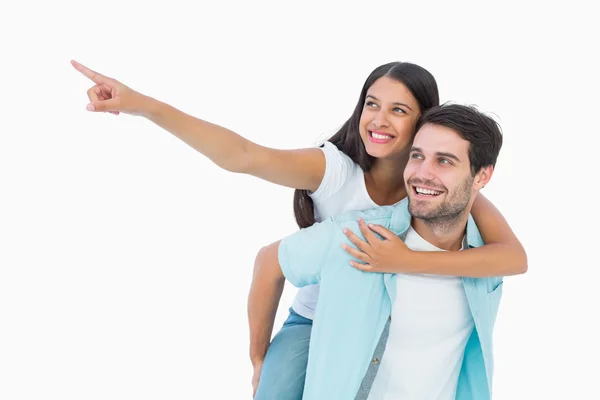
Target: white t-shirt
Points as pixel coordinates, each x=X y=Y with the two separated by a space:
x=431 y=324
x=342 y=189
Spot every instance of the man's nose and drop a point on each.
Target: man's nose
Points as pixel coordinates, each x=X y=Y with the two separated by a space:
x=425 y=172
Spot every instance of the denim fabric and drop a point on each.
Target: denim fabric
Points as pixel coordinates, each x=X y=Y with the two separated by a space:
x=284 y=368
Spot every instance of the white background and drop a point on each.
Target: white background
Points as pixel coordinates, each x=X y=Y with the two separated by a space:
x=126 y=256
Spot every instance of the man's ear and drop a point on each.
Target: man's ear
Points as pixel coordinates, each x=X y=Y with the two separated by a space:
x=483 y=177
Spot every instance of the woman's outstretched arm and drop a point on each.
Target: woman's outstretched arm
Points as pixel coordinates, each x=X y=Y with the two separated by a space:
x=299 y=169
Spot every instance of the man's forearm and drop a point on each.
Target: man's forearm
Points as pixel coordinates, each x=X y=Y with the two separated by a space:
x=265 y=292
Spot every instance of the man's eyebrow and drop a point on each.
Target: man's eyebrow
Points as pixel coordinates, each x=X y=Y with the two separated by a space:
x=438 y=153
x=397 y=103
x=449 y=155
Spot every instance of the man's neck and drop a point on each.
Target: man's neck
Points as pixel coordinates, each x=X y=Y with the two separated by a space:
x=446 y=235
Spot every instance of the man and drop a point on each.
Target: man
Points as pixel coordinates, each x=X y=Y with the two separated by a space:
x=436 y=330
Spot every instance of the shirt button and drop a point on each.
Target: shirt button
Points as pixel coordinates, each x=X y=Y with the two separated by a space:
x=375 y=360
x=390 y=318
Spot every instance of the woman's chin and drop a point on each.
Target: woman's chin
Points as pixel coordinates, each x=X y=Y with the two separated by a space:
x=382 y=152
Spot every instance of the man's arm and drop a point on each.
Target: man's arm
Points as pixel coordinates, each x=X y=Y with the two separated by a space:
x=265 y=292
x=299 y=258
x=301 y=255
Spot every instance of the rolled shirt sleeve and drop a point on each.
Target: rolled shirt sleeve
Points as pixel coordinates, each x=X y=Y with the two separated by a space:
x=302 y=254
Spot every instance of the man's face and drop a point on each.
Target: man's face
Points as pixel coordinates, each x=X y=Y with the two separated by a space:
x=438 y=175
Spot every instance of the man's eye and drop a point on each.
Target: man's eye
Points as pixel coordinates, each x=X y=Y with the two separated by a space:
x=444 y=161
x=416 y=156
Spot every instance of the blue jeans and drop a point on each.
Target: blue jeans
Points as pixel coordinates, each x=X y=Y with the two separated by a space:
x=284 y=369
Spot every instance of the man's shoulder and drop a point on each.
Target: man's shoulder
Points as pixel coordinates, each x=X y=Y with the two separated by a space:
x=373 y=215
x=474 y=238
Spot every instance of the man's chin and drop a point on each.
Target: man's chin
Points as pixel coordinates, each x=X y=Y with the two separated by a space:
x=426 y=205
x=420 y=212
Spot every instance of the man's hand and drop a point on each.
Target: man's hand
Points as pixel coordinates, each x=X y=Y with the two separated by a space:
x=389 y=255
x=256 y=376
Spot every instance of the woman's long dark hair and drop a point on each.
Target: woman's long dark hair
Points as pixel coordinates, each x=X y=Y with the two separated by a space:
x=423 y=87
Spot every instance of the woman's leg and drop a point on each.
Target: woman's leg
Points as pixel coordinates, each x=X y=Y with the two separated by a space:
x=284 y=368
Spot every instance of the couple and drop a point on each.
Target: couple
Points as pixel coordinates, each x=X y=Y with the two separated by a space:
x=371 y=161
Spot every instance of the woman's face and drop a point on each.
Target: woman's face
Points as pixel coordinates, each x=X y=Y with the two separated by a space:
x=388 y=120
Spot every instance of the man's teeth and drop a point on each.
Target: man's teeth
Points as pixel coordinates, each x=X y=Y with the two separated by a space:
x=380 y=136
x=427 y=191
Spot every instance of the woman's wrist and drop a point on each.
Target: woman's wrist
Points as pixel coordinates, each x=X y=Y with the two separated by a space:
x=151 y=108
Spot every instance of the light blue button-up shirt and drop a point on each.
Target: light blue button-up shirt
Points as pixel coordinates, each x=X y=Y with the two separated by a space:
x=352 y=316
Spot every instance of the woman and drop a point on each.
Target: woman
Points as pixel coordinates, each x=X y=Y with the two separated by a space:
x=360 y=167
